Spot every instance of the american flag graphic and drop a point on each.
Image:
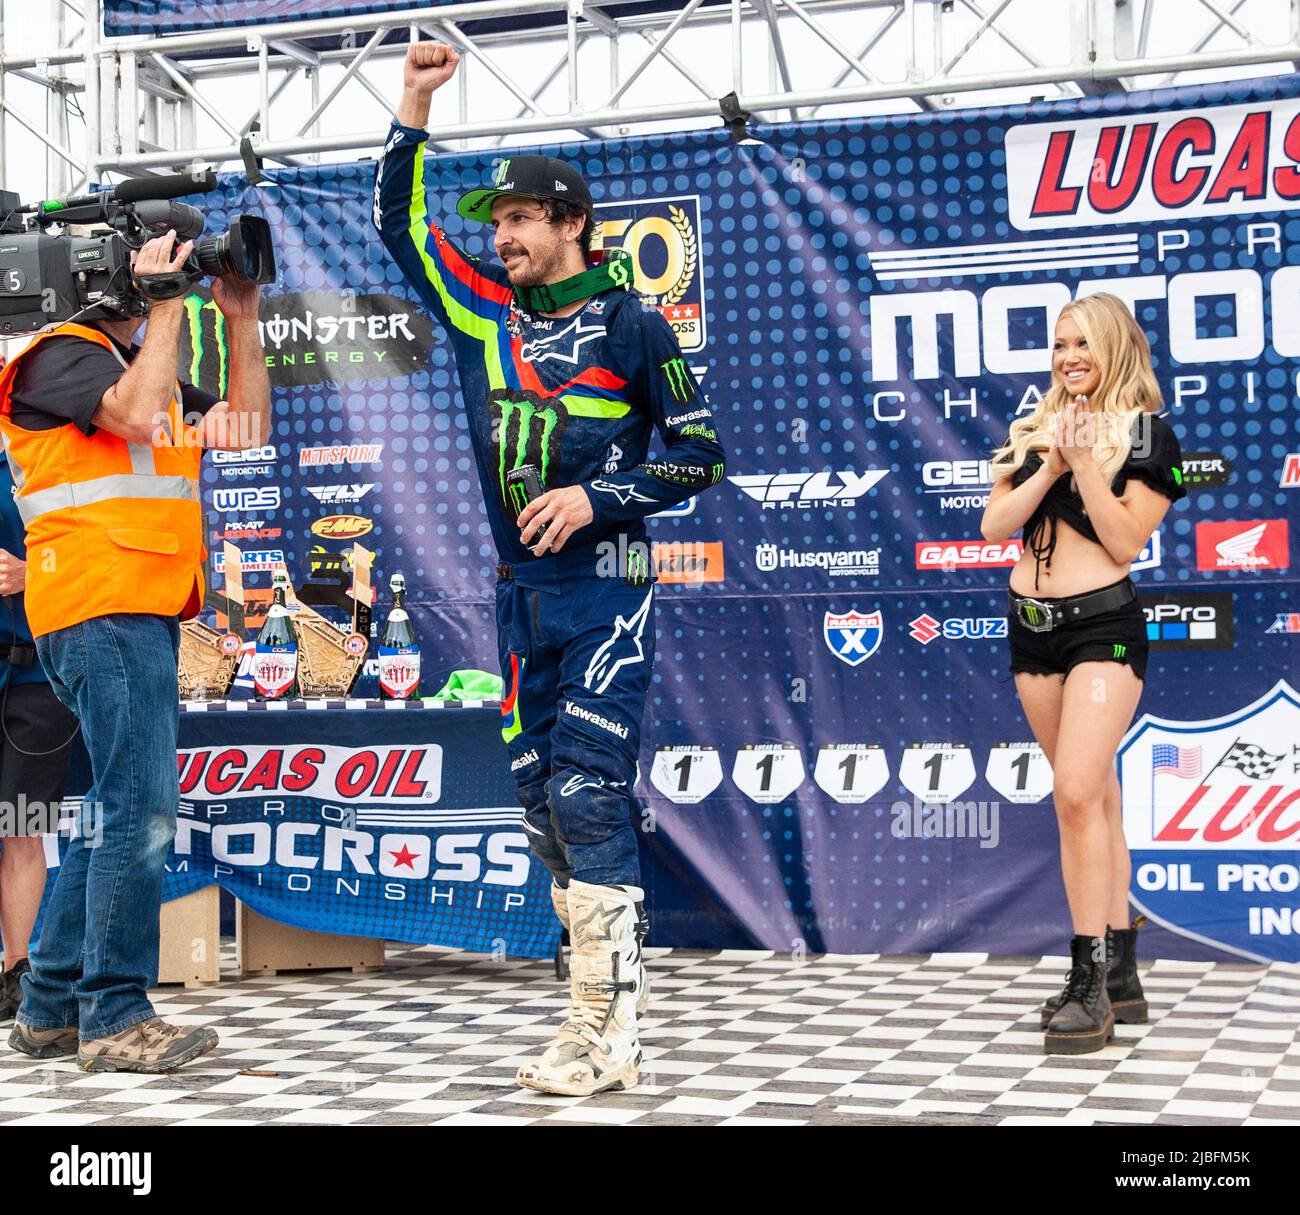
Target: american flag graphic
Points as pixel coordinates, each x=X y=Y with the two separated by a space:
x=1181 y=761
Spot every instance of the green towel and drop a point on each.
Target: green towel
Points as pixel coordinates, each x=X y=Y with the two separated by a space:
x=471 y=685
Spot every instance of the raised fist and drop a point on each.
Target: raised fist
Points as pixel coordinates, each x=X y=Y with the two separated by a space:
x=429 y=65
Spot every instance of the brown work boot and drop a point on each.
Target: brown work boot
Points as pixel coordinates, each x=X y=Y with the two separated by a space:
x=146 y=1046
x=44 y=1043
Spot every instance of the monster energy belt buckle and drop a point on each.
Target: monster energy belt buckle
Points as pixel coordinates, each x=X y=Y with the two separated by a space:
x=1035 y=615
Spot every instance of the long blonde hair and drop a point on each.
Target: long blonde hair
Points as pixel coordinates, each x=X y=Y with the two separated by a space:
x=1128 y=388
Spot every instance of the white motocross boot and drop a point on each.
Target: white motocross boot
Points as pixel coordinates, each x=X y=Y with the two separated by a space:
x=560 y=902
x=597 y=1046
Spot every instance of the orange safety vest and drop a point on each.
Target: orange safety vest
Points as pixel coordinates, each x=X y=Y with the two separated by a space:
x=111 y=526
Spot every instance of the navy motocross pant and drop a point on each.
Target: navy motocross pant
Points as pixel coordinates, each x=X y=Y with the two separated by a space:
x=576 y=653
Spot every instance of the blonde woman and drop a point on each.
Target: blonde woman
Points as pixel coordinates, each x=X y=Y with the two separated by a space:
x=1089 y=476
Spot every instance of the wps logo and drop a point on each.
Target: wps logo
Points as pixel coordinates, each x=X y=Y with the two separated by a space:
x=247 y=501
x=662 y=237
x=1260 y=544
x=807 y=491
x=373 y=775
x=1222 y=160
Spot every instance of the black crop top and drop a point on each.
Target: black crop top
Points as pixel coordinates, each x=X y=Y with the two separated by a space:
x=1155 y=458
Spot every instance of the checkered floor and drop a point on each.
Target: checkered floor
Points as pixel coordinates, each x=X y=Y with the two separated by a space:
x=732 y=1038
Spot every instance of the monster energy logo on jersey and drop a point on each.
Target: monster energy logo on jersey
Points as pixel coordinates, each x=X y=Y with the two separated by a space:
x=680 y=381
x=525 y=430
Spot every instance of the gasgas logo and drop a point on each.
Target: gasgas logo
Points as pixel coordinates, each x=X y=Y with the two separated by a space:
x=374 y=775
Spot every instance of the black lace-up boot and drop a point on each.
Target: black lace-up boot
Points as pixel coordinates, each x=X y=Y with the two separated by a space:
x=1123 y=986
x=1084 y=1022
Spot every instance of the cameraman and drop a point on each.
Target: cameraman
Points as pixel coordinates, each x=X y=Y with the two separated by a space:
x=106 y=447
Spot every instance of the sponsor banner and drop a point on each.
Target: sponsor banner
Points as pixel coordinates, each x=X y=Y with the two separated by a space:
x=1254 y=544
x=1189 y=620
x=341 y=527
x=339 y=453
x=967 y=554
x=688 y=562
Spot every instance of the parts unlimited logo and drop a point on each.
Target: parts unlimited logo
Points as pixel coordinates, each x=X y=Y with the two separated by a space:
x=312 y=338
x=662 y=235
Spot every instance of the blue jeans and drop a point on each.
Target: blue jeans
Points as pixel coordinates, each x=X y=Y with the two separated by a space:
x=97 y=955
x=576 y=655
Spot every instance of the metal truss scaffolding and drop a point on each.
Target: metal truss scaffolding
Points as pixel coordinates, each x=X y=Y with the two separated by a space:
x=309 y=90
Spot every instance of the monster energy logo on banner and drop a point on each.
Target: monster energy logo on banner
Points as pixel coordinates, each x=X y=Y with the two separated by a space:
x=680 y=381
x=525 y=430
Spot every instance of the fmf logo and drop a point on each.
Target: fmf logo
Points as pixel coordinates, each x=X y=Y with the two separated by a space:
x=662 y=237
x=255 y=561
x=252 y=455
x=688 y=562
x=341 y=527
x=1212 y=813
x=926 y=628
x=339 y=495
x=340 y=453
x=246 y=501
x=1223 y=160
x=1252 y=544
x=967 y=554
x=372 y=775
x=807 y=491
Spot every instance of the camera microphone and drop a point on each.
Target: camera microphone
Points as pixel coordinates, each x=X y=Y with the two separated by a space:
x=173 y=185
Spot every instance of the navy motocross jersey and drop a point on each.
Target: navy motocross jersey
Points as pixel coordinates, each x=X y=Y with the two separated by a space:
x=575 y=396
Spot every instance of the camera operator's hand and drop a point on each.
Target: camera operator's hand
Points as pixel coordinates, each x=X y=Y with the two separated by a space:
x=429 y=65
x=237 y=298
x=13 y=573
x=156 y=257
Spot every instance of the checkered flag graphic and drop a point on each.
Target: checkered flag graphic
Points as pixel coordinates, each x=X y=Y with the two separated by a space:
x=1252 y=760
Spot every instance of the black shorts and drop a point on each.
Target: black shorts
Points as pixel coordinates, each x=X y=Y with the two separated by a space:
x=1118 y=636
x=31 y=784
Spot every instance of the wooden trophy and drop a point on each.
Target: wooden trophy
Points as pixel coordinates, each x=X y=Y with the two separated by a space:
x=209 y=659
x=330 y=658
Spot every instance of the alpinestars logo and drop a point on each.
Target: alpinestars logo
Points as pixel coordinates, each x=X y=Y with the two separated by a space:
x=623 y=648
x=624 y=493
x=526 y=430
x=807 y=491
x=680 y=381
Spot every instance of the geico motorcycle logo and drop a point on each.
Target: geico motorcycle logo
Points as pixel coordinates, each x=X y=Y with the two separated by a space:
x=807 y=491
x=1212 y=813
x=1220 y=160
x=253 y=455
x=360 y=777
x=967 y=554
x=247 y=500
x=960 y=484
x=341 y=527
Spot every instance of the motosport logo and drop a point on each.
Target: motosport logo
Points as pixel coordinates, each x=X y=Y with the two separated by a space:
x=807 y=491
x=967 y=554
x=376 y=775
x=1252 y=544
x=340 y=453
x=1290 y=478
x=1197 y=620
x=1219 y=160
x=247 y=500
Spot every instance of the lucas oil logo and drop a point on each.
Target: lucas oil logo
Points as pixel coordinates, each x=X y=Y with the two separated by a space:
x=1220 y=160
x=662 y=235
x=1212 y=813
x=380 y=775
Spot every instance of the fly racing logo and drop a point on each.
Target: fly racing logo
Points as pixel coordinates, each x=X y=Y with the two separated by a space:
x=526 y=430
x=807 y=491
x=334 y=495
x=622 y=649
x=121 y=1169
x=680 y=381
x=624 y=493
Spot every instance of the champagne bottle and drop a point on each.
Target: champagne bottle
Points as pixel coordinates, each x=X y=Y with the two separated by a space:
x=275 y=656
x=399 y=651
